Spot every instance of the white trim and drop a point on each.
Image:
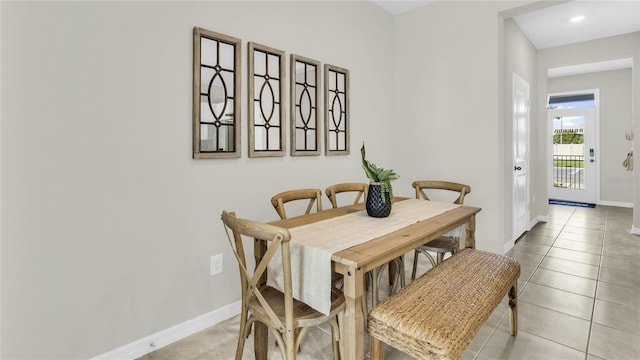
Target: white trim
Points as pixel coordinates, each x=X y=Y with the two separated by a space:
x=167 y=336
x=508 y=246
x=542 y=218
x=538 y=219
x=616 y=204
x=635 y=230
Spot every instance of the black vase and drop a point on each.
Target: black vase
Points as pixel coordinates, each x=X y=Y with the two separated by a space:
x=379 y=200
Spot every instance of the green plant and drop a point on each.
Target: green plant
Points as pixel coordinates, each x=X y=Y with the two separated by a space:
x=378 y=174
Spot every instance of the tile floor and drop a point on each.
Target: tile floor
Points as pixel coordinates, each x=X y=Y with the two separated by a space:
x=579 y=299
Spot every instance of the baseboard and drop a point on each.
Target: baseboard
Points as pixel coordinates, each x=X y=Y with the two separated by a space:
x=616 y=204
x=538 y=219
x=508 y=246
x=165 y=337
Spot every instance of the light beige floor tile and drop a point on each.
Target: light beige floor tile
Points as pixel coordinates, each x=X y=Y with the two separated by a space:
x=621 y=252
x=552 y=325
x=525 y=346
x=621 y=317
x=526 y=271
x=570 y=267
x=213 y=342
x=626 y=240
x=572 y=255
x=526 y=258
x=581 y=230
x=618 y=227
x=592 y=238
x=567 y=282
x=618 y=277
x=586 y=224
x=593 y=357
x=578 y=246
x=479 y=341
x=558 y=300
x=536 y=238
x=629 y=265
x=619 y=294
x=547 y=231
x=533 y=248
x=613 y=344
x=588 y=216
x=548 y=226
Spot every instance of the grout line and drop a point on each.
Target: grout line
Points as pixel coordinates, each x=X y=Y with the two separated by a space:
x=595 y=294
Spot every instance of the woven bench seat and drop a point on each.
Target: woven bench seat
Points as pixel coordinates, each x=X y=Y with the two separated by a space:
x=437 y=315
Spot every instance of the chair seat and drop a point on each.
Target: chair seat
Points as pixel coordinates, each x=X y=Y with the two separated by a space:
x=443 y=244
x=303 y=314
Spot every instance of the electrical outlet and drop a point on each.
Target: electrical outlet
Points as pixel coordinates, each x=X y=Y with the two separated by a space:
x=215 y=267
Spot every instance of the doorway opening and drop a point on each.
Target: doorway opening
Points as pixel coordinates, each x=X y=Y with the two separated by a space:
x=573 y=139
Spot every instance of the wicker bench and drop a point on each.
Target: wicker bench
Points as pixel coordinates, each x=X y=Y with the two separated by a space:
x=437 y=315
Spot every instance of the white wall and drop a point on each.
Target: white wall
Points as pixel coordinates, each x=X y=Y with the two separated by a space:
x=107 y=222
x=449 y=104
x=616 y=184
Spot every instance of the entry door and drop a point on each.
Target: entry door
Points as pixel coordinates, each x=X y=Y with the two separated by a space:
x=574 y=155
x=520 y=156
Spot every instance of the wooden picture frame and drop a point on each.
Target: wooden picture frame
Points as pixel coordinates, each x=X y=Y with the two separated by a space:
x=267 y=101
x=304 y=111
x=336 y=110
x=216 y=95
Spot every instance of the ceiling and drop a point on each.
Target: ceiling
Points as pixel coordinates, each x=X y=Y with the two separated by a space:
x=551 y=26
x=399 y=6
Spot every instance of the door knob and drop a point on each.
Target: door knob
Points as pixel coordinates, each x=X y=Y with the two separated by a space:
x=517 y=168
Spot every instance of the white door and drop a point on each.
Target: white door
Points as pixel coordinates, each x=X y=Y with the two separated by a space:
x=520 y=156
x=574 y=155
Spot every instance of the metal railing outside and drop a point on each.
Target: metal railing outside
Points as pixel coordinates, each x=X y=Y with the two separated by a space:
x=568 y=171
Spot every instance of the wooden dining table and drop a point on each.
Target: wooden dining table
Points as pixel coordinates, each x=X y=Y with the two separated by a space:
x=355 y=261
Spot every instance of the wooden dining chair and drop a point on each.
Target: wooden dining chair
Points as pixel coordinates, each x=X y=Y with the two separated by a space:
x=360 y=190
x=287 y=318
x=313 y=196
x=444 y=244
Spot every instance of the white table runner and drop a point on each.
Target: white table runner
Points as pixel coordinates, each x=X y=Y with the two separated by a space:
x=312 y=246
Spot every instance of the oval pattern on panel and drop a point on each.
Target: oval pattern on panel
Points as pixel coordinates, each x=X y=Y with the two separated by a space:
x=305 y=103
x=338 y=110
x=217 y=81
x=267 y=101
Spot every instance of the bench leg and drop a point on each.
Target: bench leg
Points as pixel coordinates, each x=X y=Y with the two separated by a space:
x=513 y=309
x=377 y=349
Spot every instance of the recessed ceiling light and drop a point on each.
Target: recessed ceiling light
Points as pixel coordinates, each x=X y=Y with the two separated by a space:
x=577 y=18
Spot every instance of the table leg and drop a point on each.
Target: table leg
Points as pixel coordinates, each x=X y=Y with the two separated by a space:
x=470 y=238
x=353 y=325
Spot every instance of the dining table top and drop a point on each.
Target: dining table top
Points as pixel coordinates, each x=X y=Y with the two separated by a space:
x=363 y=253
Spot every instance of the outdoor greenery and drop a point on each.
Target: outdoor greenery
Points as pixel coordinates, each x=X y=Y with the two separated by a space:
x=568 y=138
